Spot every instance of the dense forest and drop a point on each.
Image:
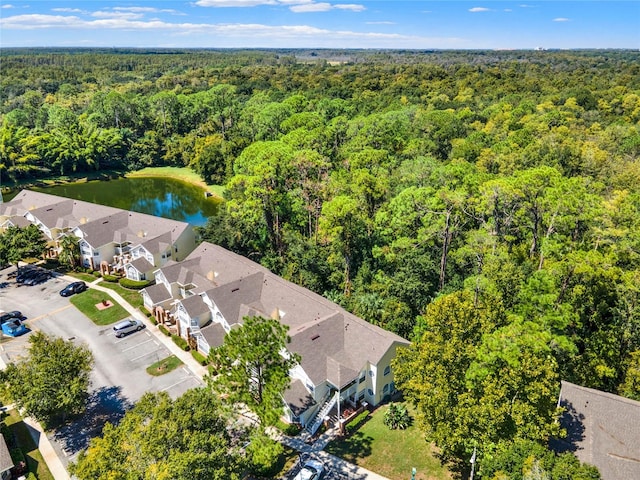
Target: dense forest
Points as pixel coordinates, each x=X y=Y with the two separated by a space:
x=484 y=204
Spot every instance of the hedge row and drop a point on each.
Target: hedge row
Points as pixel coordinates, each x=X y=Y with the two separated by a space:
x=357 y=422
x=134 y=284
x=201 y=359
x=181 y=342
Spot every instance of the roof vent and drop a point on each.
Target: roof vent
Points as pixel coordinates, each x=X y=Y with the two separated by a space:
x=83 y=220
x=315 y=337
x=235 y=289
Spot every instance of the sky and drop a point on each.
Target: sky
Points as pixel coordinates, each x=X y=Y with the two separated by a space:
x=482 y=24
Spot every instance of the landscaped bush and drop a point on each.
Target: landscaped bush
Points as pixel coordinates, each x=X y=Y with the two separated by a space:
x=397 y=416
x=201 y=359
x=357 y=422
x=289 y=429
x=181 y=342
x=110 y=278
x=134 y=284
x=16 y=455
x=164 y=330
x=96 y=273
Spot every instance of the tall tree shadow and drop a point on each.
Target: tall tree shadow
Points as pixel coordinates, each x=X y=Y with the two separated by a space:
x=572 y=421
x=104 y=405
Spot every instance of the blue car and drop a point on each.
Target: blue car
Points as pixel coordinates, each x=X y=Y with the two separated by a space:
x=14 y=328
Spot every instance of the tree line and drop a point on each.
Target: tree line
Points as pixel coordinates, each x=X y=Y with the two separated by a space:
x=482 y=204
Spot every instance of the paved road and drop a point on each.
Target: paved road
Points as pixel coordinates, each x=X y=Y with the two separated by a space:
x=119 y=377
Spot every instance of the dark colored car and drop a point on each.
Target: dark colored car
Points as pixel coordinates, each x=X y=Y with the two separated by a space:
x=7 y=316
x=72 y=288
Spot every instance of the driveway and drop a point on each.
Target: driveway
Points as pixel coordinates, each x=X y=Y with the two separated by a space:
x=119 y=377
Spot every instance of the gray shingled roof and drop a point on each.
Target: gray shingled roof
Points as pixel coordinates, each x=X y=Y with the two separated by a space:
x=158 y=293
x=154 y=233
x=297 y=398
x=213 y=334
x=5 y=458
x=142 y=265
x=602 y=429
x=231 y=297
x=194 y=305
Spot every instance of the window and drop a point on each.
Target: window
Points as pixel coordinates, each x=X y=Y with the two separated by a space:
x=362 y=378
x=371 y=373
x=370 y=392
x=385 y=389
x=387 y=370
x=361 y=395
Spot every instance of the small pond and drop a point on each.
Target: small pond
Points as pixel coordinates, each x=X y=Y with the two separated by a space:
x=162 y=197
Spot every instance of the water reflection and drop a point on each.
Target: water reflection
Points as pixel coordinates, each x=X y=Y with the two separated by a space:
x=162 y=197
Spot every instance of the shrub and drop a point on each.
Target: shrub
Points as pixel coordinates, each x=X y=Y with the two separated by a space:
x=181 y=342
x=134 y=284
x=164 y=330
x=110 y=278
x=95 y=273
x=201 y=359
x=397 y=417
x=357 y=422
x=289 y=429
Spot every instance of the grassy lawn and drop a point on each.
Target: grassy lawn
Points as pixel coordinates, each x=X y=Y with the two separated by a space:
x=86 y=277
x=34 y=459
x=391 y=453
x=179 y=173
x=133 y=297
x=163 y=366
x=86 y=302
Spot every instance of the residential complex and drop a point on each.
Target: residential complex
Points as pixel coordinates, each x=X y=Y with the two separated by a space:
x=201 y=293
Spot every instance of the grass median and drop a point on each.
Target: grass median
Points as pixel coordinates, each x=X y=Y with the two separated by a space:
x=92 y=304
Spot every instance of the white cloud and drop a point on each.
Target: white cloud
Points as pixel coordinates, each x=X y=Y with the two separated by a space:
x=561 y=19
x=507 y=10
x=234 y=3
x=67 y=10
x=107 y=14
x=325 y=7
x=350 y=6
x=524 y=5
x=478 y=9
x=311 y=7
x=380 y=23
x=236 y=34
x=7 y=5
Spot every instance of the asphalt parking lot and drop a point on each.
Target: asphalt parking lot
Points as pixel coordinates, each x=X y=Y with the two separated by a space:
x=119 y=377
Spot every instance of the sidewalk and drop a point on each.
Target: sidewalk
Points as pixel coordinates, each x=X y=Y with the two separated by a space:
x=333 y=463
x=186 y=357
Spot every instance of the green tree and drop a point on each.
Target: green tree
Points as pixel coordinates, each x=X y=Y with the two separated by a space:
x=18 y=243
x=69 y=251
x=252 y=367
x=161 y=438
x=53 y=381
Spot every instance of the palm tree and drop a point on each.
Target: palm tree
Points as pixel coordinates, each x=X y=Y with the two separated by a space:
x=69 y=250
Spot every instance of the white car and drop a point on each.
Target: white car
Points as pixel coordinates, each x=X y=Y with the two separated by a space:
x=312 y=470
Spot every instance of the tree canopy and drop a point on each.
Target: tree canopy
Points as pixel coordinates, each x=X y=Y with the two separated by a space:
x=53 y=381
x=252 y=367
x=161 y=438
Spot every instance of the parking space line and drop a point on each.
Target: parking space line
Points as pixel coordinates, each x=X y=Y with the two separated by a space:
x=176 y=384
x=144 y=355
x=50 y=313
x=135 y=346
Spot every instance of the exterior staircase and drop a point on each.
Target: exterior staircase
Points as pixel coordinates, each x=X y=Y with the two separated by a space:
x=314 y=425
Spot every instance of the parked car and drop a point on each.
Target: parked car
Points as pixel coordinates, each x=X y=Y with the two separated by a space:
x=127 y=326
x=6 y=316
x=311 y=470
x=73 y=288
x=14 y=328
